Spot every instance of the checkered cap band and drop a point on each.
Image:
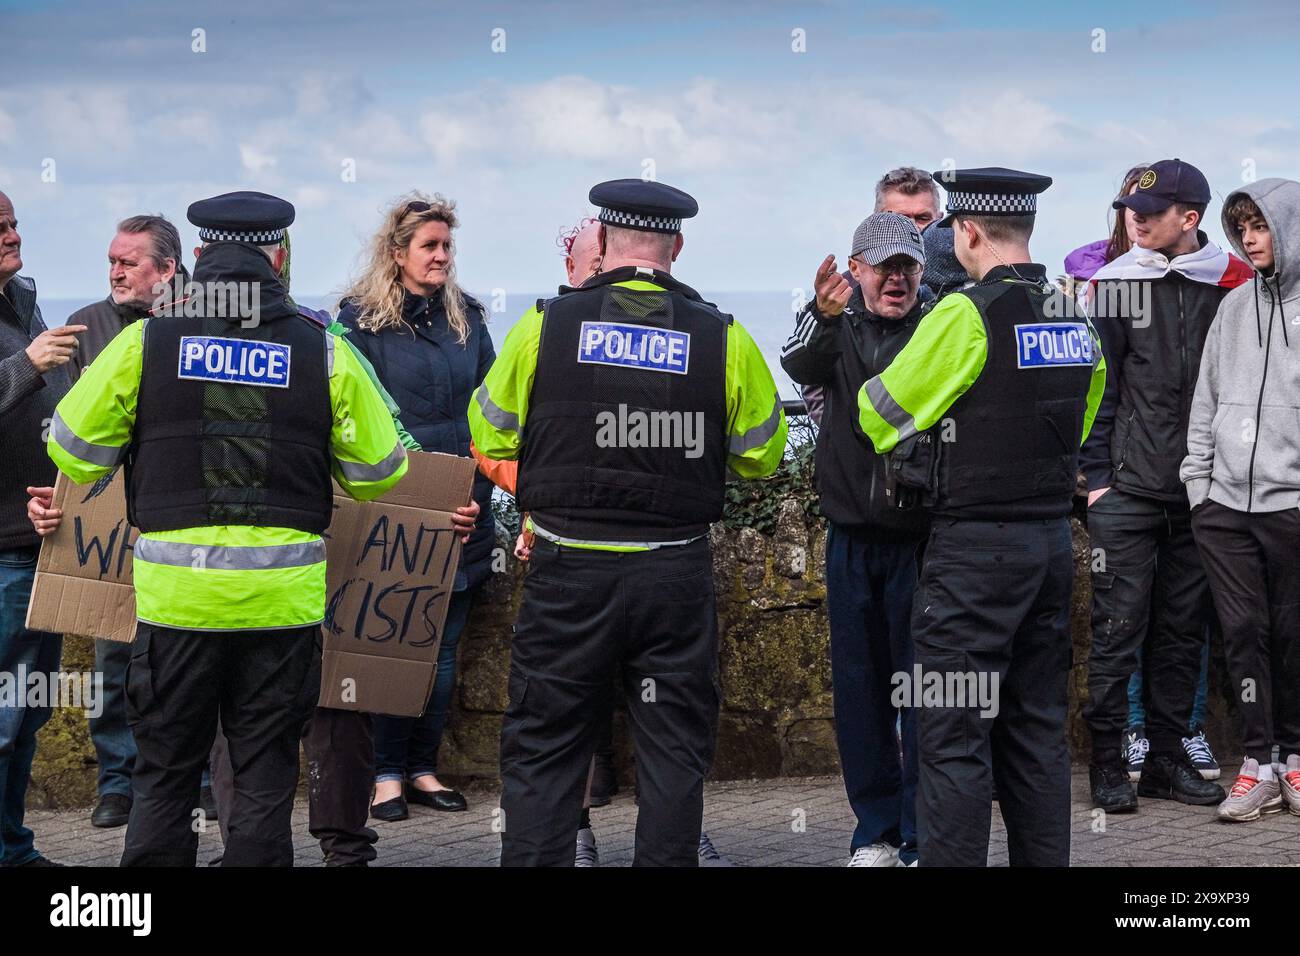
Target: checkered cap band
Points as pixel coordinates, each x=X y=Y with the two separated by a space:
x=636 y=220
x=883 y=236
x=992 y=204
x=262 y=238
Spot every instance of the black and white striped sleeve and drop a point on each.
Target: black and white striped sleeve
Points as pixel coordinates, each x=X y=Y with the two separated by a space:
x=810 y=354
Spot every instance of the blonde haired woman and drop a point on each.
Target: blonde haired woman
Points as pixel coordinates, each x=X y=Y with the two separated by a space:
x=430 y=347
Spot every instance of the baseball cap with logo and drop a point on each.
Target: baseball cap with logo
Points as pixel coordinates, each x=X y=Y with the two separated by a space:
x=884 y=235
x=1165 y=183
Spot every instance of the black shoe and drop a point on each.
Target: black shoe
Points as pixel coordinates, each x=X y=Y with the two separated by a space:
x=113 y=810
x=1111 y=790
x=604 y=782
x=40 y=863
x=450 y=800
x=208 y=803
x=1169 y=776
x=390 y=811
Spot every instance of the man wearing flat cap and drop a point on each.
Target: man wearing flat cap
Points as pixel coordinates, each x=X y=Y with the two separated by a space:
x=230 y=419
x=1002 y=384
x=846 y=335
x=627 y=401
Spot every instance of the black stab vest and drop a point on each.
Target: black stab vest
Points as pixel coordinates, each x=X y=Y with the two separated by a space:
x=220 y=453
x=590 y=468
x=1009 y=446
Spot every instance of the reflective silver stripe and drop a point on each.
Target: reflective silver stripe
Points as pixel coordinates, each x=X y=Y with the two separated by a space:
x=356 y=471
x=65 y=438
x=242 y=627
x=759 y=435
x=329 y=354
x=579 y=543
x=888 y=409
x=496 y=416
x=216 y=557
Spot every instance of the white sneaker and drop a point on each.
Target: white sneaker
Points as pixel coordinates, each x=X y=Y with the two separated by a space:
x=877 y=854
x=585 y=853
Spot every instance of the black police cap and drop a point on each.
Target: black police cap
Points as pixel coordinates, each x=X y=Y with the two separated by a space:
x=242 y=217
x=990 y=191
x=646 y=206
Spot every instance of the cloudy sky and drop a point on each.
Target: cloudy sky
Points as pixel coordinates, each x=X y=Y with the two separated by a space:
x=516 y=109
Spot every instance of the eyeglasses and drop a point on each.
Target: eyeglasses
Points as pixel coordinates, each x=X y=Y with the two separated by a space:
x=910 y=267
x=416 y=205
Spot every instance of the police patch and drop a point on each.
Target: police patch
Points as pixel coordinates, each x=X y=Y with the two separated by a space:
x=1053 y=344
x=634 y=346
x=242 y=361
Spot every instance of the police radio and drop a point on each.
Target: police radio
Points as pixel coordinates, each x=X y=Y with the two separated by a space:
x=912 y=472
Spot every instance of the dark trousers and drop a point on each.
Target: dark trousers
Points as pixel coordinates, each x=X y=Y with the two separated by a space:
x=109 y=732
x=340 y=773
x=870 y=585
x=21 y=649
x=1252 y=561
x=991 y=620
x=178 y=684
x=588 y=615
x=407 y=747
x=1148 y=589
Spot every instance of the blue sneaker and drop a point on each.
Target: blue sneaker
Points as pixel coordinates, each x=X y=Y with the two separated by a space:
x=1136 y=747
x=1202 y=758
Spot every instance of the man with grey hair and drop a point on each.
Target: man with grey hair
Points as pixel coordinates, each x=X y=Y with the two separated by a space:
x=144 y=266
x=845 y=336
x=909 y=192
x=144 y=263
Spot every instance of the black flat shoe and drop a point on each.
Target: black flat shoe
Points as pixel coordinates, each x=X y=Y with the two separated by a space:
x=114 y=810
x=449 y=800
x=390 y=811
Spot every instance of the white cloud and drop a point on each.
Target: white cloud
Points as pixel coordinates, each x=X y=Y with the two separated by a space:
x=253 y=159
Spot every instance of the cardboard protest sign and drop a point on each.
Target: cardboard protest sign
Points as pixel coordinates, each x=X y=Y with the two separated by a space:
x=83 y=574
x=391 y=567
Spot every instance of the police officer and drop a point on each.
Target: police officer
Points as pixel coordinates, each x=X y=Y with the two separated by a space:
x=1009 y=379
x=230 y=415
x=626 y=400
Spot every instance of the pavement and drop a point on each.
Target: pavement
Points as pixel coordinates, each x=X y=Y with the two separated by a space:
x=784 y=822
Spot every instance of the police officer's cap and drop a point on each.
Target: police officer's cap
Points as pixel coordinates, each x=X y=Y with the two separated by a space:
x=990 y=191
x=242 y=217
x=641 y=205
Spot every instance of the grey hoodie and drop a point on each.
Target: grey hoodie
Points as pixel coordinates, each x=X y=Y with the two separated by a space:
x=1243 y=440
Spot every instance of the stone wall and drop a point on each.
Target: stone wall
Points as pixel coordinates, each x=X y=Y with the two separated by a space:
x=775 y=666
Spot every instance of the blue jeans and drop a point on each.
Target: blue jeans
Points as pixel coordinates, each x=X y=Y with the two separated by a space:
x=869 y=591
x=1137 y=714
x=29 y=652
x=407 y=747
x=114 y=743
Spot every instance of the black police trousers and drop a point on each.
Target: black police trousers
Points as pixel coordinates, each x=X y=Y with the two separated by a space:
x=340 y=750
x=649 y=618
x=1148 y=592
x=991 y=628
x=177 y=685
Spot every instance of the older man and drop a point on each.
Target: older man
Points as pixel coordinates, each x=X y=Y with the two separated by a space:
x=909 y=192
x=844 y=337
x=144 y=261
x=33 y=377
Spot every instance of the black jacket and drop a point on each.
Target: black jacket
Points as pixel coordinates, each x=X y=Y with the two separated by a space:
x=1139 y=437
x=432 y=377
x=841 y=355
